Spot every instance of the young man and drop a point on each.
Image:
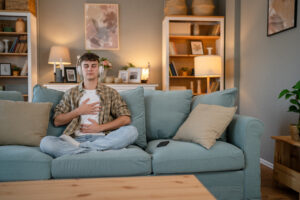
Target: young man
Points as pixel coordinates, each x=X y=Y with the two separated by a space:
x=97 y=116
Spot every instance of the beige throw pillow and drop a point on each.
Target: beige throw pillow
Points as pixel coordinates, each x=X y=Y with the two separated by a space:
x=205 y=124
x=23 y=123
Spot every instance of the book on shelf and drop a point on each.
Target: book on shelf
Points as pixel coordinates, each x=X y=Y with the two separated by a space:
x=21 y=46
x=24 y=69
x=215 y=30
x=13 y=46
x=172 y=49
x=214 y=86
x=173 y=69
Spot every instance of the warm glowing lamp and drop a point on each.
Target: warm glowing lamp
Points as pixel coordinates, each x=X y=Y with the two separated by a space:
x=145 y=73
x=59 y=55
x=208 y=65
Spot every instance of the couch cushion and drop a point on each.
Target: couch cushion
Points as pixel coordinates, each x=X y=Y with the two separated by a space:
x=129 y=161
x=135 y=102
x=23 y=163
x=185 y=157
x=226 y=98
x=11 y=95
x=165 y=112
x=23 y=123
x=205 y=124
x=42 y=94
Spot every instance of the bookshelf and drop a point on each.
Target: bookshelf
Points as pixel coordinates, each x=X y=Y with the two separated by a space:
x=178 y=34
x=18 y=56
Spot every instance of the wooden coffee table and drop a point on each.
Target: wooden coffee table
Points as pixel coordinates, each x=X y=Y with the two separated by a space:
x=143 y=187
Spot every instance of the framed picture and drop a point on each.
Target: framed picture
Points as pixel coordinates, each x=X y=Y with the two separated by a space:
x=197 y=47
x=123 y=74
x=70 y=74
x=282 y=16
x=101 y=26
x=5 y=69
x=134 y=75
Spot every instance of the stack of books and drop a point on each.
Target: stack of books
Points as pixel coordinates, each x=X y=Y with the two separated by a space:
x=19 y=45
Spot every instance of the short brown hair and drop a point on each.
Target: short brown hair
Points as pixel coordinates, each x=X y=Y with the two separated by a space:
x=88 y=57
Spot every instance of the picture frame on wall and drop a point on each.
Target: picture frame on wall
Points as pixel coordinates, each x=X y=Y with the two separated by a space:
x=282 y=16
x=70 y=74
x=5 y=69
x=197 y=47
x=101 y=26
x=134 y=75
x=123 y=74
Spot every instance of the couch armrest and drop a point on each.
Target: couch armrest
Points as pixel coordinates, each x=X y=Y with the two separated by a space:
x=245 y=132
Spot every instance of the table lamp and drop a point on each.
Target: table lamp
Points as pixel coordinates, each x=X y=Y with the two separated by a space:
x=208 y=65
x=145 y=73
x=59 y=55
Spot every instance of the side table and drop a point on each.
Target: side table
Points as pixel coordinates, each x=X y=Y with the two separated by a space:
x=287 y=162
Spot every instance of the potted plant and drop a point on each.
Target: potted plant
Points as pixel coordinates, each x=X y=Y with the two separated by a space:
x=16 y=71
x=294 y=99
x=184 y=71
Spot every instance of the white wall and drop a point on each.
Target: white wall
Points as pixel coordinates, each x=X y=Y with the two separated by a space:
x=267 y=65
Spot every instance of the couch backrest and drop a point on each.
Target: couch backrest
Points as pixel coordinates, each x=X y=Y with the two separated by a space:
x=11 y=95
x=165 y=112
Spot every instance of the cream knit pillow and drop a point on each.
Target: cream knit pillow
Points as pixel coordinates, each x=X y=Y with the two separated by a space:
x=205 y=124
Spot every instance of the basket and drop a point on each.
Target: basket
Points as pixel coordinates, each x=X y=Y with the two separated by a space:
x=24 y=5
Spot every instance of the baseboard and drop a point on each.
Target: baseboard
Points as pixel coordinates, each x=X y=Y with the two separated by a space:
x=266 y=163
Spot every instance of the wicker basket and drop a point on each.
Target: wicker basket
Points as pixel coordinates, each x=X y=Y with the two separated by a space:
x=27 y=5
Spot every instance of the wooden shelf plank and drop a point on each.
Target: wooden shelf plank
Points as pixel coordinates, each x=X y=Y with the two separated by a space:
x=183 y=55
x=13 y=54
x=194 y=37
x=17 y=11
x=193 y=77
x=12 y=33
x=14 y=77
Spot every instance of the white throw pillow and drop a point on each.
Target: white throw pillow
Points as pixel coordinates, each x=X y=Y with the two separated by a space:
x=205 y=124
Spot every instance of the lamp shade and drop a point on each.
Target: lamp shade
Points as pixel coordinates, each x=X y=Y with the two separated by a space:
x=207 y=65
x=59 y=54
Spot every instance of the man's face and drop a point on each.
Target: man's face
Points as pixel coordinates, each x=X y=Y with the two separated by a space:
x=90 y=70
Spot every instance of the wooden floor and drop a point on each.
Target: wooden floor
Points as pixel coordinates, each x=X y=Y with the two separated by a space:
x=270 y=190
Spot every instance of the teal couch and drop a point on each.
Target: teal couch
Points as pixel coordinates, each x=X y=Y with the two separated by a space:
x=230 y=169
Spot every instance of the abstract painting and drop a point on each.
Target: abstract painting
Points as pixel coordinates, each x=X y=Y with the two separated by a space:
x=282 y=15
x=101 y=26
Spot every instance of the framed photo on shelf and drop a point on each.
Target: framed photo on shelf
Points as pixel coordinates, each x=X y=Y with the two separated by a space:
x=197 y=47
x=282 y=16
x=101 y=26
x=134 y=75
x=71 y=75
x=123 y=74
x=5 y=69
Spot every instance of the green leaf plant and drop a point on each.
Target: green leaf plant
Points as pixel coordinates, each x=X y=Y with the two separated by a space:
x=293 y=96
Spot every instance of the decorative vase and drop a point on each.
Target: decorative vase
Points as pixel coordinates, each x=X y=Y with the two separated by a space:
x=184 y=73
x=16 y=73
x=103 y=73
x=6 y=45
x=203 y=7
x=294 y=131
x=58 y=76
x=20 y=25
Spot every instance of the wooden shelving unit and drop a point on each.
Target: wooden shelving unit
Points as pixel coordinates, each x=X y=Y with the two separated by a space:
x=177 y=50
x=22 y=84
